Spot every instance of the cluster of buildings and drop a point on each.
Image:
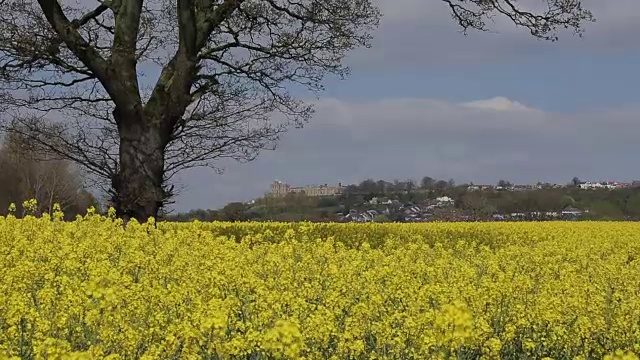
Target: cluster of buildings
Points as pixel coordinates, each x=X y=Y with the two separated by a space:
x=279 y=188
x=524 y=187
x=566 y=214
x=611 y=185
x=408 y=212
x=444 y=211
x=364 y=216
x=589 y=185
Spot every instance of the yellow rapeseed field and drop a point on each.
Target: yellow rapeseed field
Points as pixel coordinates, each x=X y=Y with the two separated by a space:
x=91 y=290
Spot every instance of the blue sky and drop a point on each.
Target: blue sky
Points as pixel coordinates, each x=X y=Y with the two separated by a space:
x=568 y=81
x=427 y=100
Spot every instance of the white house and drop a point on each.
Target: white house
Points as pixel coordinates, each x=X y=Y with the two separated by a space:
x=445 y=200
x=597 y=185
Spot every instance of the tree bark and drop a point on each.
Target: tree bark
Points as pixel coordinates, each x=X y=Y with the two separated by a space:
x=138 y=185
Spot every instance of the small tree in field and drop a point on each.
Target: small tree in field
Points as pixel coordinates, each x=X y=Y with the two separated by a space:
x=138 y=90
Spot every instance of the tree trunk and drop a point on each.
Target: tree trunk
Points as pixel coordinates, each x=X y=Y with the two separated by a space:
x=138 y=185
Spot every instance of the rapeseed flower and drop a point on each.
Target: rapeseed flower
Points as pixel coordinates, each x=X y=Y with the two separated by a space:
x=94 y=289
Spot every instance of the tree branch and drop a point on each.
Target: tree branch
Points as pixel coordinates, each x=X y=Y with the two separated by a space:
x=123 y=51
x=195 y=24
x=63 y=27
x=187 y=28
x=471 y=14
x=90 y=16
x=85 y=52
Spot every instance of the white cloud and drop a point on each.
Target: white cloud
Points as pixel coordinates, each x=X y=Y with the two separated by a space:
x=499 y=103
x=411 y=137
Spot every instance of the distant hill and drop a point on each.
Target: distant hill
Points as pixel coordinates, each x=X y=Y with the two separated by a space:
x=404 y=201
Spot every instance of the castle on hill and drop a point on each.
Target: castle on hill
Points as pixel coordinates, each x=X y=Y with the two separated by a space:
x=279 y=188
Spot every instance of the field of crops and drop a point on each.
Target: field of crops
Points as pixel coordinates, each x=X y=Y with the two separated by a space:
x=90 y=289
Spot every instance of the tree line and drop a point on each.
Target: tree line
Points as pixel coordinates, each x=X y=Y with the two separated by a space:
x=25 y=175
x=601 y=204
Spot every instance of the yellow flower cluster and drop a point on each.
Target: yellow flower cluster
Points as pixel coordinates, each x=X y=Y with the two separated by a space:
x=93 y=289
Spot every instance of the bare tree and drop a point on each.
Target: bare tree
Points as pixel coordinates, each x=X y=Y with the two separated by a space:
x=223 y=70
x=25 y=175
